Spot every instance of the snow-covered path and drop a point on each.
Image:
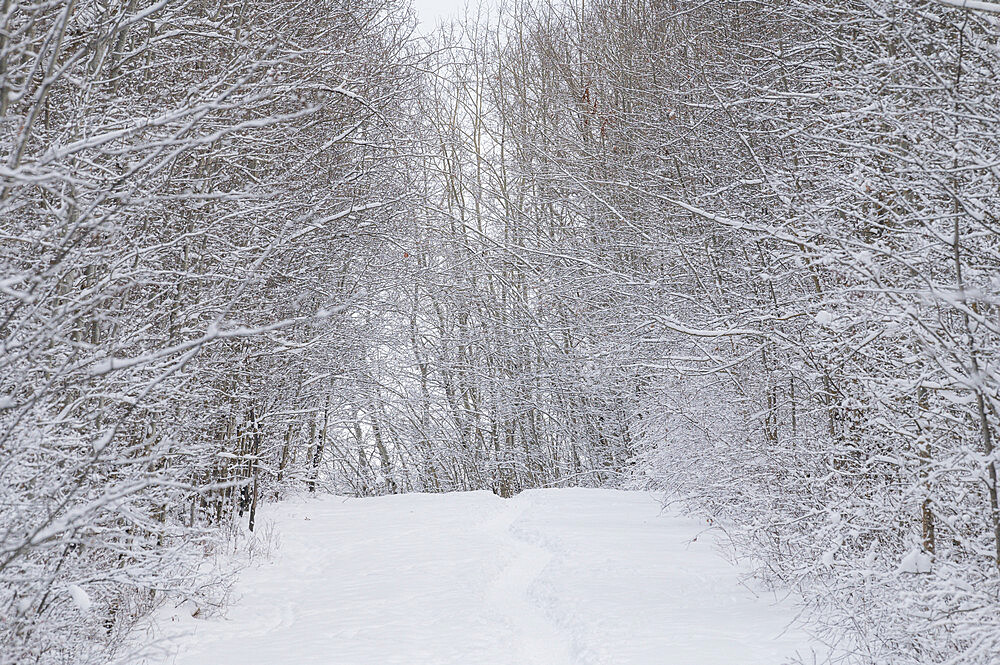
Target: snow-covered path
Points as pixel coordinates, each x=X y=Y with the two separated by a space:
x=550 y=577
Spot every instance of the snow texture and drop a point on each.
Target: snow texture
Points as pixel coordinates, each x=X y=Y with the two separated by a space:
x=551 y=577
x=80 y=598
x=915 y=562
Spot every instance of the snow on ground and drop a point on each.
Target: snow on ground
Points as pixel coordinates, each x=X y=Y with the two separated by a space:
x=550 y=577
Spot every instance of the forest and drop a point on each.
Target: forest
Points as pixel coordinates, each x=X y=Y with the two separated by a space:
x=742 y=253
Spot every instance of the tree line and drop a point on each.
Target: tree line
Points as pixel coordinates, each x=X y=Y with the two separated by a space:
x=193 y=200
x=744 y=253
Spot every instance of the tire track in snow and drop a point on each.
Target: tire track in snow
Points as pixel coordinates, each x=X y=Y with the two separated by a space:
x=537 y=637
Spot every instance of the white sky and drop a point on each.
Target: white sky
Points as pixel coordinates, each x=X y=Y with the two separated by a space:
x=431 y=11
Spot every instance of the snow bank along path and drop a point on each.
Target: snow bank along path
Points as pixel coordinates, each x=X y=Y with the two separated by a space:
x=550 y=577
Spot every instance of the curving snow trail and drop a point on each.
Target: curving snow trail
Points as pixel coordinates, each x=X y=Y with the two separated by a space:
x=511 y=596
x=551 y=577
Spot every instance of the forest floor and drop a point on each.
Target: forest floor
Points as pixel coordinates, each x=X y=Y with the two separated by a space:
x=550 y=577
